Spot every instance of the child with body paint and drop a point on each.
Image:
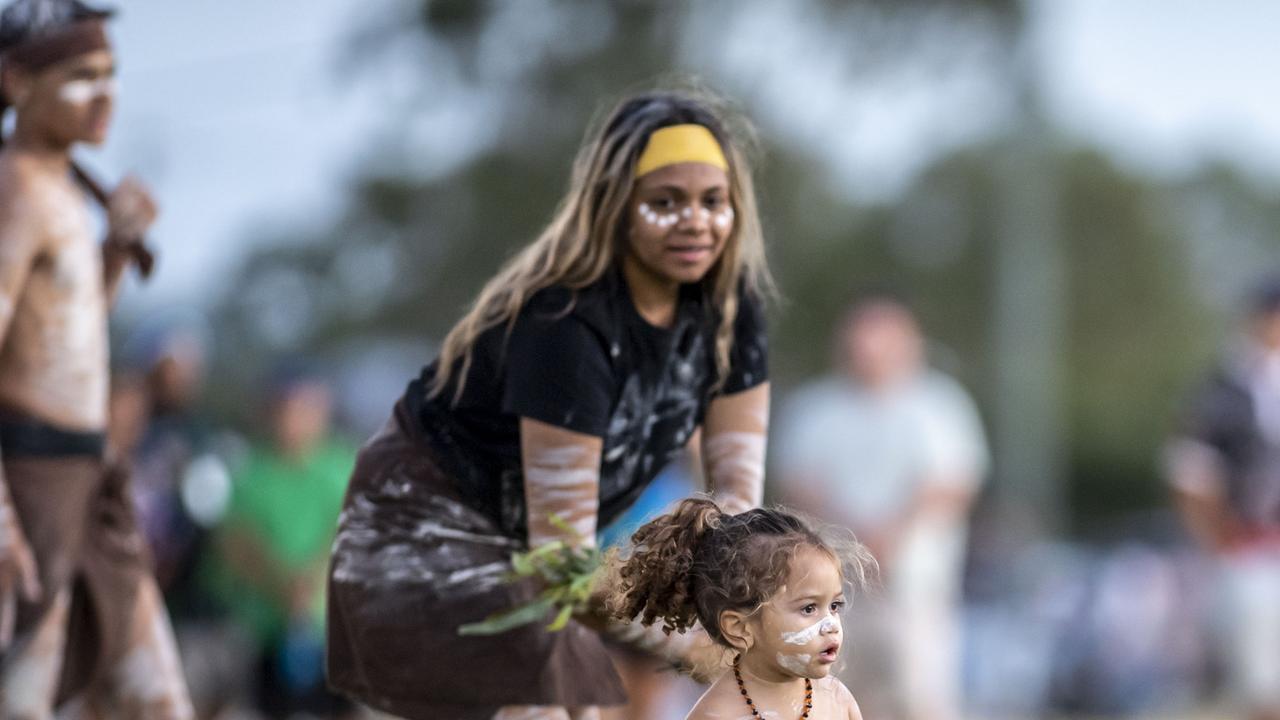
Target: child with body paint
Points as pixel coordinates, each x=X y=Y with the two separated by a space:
x=83 y=626
x=764 y=584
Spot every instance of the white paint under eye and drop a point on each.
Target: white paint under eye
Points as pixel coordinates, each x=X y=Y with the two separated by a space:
x=807 y=635
x=797 y=663
x=723 y=218
x=659 y=220
x=81 y=92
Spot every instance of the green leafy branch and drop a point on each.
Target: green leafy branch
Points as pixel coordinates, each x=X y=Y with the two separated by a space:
x=567 y=573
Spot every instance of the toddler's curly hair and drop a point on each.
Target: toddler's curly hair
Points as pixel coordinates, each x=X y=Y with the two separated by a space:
x=695 y=562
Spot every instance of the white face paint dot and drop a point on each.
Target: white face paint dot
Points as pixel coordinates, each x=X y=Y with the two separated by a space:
x=661 y=221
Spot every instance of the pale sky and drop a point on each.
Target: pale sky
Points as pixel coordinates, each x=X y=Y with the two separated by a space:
x=233 y=112
x=1165 y=84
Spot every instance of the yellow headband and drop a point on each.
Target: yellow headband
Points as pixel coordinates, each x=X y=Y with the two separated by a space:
x=680 y=144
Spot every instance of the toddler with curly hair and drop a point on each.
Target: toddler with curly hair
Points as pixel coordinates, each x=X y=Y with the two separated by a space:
x=766 y=585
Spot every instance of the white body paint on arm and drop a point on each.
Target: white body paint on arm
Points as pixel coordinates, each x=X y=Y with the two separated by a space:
x=735 y=468
x=561 y=479
x=733 y=448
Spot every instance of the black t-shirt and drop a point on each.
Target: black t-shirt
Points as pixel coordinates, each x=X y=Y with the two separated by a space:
x=1223 y=415
x=587 y=362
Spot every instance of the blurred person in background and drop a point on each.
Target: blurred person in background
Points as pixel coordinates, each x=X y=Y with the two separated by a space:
x=181 y=486
x=895 y=451
x=173 y=457
x=128 y=413
x=80 y=614
x=1224 y=466
x=273 y=546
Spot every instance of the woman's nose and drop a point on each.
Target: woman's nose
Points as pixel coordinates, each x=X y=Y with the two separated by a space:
x=695 y=217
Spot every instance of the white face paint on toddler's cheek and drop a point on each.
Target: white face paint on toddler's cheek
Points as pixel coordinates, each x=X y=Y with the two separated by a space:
x=807 y=635
x=82 y=92
x=797 y=663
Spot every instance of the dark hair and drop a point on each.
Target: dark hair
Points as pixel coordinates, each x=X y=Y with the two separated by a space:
x=1264 y=299
x=697 y=561
x=25 y=20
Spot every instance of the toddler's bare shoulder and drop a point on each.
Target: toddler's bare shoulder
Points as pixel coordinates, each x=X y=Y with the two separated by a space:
x=839 y=696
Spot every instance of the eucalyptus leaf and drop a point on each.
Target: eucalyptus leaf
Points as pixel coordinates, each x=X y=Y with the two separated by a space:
x=510 y=619
x=562 y=619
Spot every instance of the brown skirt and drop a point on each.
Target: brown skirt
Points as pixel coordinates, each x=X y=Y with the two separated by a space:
x=411 y=563
x=80 y=523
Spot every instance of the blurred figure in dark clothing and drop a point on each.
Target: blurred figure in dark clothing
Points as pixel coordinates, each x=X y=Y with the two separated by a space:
x=1224 y=466
x=180 y=484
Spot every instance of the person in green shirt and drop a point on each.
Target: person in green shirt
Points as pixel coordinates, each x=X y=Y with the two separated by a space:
x=275 y=538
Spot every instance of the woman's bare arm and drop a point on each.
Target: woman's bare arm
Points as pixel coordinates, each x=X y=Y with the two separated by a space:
x=733 y=448
x=561 y=479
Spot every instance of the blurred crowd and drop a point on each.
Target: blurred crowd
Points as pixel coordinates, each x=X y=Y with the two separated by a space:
x=239 y=524
x=974 y=612
x=978 y=613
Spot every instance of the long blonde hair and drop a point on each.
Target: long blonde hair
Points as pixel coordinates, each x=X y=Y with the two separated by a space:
x=584 y=239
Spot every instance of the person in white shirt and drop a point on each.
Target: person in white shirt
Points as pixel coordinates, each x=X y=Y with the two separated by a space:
x=894 y=450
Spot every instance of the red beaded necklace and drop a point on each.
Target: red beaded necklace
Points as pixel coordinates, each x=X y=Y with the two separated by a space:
x=808 y=693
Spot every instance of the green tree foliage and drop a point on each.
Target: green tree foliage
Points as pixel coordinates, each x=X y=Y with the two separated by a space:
x=1143 y=260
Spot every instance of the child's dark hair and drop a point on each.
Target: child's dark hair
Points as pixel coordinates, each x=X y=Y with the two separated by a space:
x=697 y=561
x=22 y=20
